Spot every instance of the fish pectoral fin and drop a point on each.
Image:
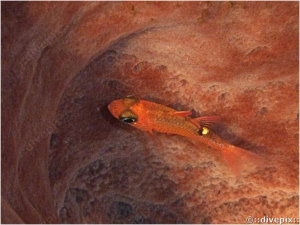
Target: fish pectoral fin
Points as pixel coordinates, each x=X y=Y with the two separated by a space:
x=206 y=121
x=183 y=113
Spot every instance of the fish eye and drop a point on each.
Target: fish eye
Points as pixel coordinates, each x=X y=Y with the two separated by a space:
x=128 y=120
x=128 y=117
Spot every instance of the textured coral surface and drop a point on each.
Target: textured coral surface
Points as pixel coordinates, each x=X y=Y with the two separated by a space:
x=66 y=159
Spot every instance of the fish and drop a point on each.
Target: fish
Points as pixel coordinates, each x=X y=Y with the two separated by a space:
x=153 y=117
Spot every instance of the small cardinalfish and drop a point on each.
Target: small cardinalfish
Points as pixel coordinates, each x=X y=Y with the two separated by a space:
x=150 y=116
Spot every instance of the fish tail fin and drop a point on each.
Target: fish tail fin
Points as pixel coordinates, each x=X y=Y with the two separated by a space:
x=238 y=159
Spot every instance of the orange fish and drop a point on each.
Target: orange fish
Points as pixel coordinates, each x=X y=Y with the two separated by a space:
x=150 y=116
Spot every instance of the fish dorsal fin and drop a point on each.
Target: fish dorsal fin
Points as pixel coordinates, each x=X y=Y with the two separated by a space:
x=206 y=121
x=183 y=113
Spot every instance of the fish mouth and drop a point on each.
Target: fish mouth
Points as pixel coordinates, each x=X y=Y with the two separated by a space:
x=112 y=108
x=109 y=107
x=116 y=108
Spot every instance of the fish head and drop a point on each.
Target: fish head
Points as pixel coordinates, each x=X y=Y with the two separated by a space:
x=121 y=109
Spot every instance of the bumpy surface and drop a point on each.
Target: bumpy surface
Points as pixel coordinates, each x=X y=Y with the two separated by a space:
x=66 y=159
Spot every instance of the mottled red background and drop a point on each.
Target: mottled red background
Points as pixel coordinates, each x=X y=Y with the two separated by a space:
x=66 y=159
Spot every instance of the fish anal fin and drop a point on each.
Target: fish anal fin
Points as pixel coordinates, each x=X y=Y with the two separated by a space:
x=183 y=113
x=206 y=121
